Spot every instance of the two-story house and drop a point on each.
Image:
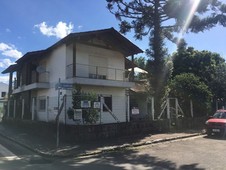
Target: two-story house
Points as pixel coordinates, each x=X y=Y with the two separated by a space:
x=96 y=60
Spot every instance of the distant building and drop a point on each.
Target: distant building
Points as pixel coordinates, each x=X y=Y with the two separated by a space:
x=3 y=97
x=3 y=91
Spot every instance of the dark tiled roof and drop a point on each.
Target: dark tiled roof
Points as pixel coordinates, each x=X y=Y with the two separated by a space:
x=110 y=36
x=11 y=68
x=32 y=55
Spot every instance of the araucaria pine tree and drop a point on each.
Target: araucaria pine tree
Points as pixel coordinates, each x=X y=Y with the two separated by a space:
x=161 y=20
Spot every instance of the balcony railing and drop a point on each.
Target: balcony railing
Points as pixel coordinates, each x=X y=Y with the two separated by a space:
x=96 y=72
x=40 y=78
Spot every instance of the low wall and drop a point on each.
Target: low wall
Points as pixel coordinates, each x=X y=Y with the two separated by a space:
x=104 y=131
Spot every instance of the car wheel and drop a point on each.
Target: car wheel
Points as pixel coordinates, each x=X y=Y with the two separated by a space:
x=209 y=133
x=224 y=134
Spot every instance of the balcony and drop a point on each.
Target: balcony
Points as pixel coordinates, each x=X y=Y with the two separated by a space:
x=97 y=72
x=37 y=81
x=97 y=75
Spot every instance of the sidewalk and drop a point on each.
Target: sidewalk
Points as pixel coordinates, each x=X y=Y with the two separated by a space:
x=47 y=145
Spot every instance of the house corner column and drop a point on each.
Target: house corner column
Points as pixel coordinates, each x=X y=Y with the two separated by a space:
x=10 y=85
x=22 y=115
x=74 y=59
x=132 y=75
x=8 y=108
x=14 y=109
x=33 y=109
x=153 y=108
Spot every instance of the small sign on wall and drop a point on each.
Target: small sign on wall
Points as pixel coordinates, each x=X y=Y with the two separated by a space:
x=78 y=114
x=85 y=104
x=135 y=111
x=96 y=105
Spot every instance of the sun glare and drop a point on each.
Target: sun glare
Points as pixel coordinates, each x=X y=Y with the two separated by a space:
x=194 y=5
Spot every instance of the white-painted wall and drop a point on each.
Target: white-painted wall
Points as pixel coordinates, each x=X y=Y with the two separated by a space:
x=107 y=58
x=3 y=88
x=118 y=102
x=56 y=64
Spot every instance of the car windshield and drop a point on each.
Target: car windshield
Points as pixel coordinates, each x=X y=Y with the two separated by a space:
x=220 y=115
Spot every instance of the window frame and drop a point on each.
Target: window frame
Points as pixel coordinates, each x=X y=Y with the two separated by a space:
x=42 y=105
x=3 y=94
x=108 y=102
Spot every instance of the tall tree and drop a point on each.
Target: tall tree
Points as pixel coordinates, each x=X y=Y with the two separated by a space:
x=209 y=67
x=140 y=62
x=188 y=87
x=201 y=63
x=160 y=20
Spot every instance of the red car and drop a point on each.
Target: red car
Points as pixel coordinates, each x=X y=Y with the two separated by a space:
x=217 y=124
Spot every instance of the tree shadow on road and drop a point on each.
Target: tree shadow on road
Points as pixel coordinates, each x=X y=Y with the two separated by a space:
x=129 y=159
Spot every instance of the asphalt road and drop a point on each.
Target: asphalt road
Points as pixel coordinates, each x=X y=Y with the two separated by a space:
x=16 y=157
x=197 y=153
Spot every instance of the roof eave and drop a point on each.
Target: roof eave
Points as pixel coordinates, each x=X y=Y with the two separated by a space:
x=10 y=69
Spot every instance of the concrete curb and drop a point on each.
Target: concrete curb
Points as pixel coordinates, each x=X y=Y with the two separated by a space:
x=133 y=145
x=99 y=151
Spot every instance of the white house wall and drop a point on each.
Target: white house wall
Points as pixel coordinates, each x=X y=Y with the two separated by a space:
x=3 y=88
x=51 y=96
x=69 y=54
x=56 y=64
x=118 y=102
x=111 y=59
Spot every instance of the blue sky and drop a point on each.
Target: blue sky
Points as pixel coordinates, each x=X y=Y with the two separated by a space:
x=30 y=25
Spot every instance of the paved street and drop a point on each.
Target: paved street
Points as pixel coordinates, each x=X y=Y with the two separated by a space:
x=193 y=153
x=14 y=156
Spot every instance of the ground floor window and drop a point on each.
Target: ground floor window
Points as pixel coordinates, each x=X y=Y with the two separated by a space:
x=42 y=103
x=107 y=103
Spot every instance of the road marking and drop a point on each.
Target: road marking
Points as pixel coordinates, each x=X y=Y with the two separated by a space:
x=7 y=154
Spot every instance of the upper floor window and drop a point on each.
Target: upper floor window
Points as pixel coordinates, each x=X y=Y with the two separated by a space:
x=3 y=94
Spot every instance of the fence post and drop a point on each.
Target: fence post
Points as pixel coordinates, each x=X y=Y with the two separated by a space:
x=33 y=109
x=153 y=108
x=176 y=107
x=22 y=115
x=65 y=110
x=128 y=106
x=14 y=109
x=101 y=107
x=168 y=108
x=191 y=104
x=8 y=108
x=47 y=108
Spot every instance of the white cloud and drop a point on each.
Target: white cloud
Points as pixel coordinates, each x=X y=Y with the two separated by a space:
x=4 y=79
x=7 y=30
x=60 y=30
x=80 y=27
x=9 y=51
x=4 y=63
